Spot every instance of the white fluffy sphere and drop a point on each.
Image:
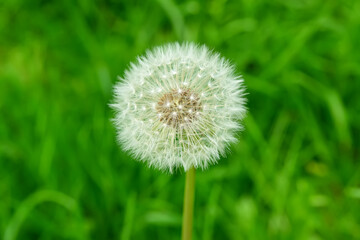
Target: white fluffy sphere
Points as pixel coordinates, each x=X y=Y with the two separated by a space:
x=179 y=106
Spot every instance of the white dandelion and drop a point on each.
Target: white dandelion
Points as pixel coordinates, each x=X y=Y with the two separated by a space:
x=179 y=106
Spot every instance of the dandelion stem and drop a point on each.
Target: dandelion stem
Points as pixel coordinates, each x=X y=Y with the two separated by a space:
x=188 y=204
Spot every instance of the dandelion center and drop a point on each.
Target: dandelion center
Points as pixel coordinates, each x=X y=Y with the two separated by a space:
x=178 y=107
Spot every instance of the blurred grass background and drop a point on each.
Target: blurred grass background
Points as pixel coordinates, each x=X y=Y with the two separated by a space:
x=294 y=175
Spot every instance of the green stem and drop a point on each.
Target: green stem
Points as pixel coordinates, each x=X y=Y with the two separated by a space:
x=188 y=204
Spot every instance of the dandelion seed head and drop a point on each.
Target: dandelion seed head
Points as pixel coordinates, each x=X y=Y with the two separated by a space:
x=190 y=106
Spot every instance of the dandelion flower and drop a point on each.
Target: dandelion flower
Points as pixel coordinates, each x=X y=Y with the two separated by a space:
x=179 y=106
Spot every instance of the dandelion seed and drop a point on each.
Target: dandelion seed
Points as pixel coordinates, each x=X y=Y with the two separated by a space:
x=183 y=127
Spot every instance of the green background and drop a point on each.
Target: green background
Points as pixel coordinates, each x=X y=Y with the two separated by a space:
x=294 y=174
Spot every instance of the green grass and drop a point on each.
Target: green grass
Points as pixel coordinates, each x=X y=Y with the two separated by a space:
x=294 y=175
